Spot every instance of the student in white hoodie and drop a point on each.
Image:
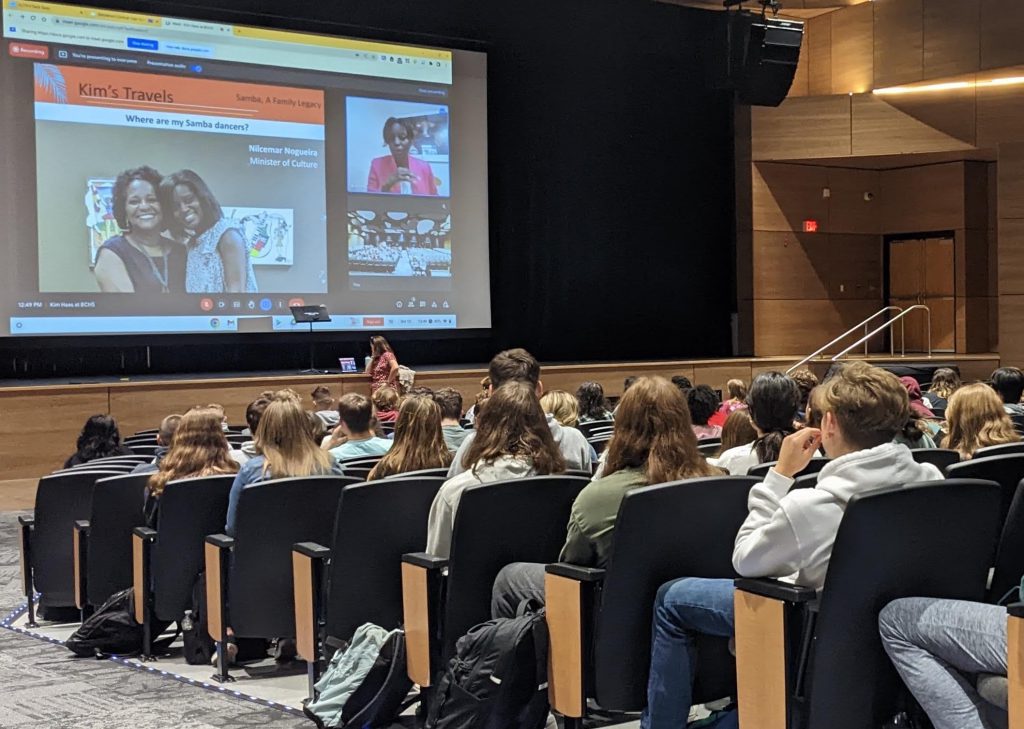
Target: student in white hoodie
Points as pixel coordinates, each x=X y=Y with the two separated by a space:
x=518 y=365
x=512 y=441
x=786 y=535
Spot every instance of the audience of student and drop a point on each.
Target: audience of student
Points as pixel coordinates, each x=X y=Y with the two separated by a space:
x=324 y=406
x=773 y=401
x=418 y=442
x=682 y=382
x=703 y=403
x=914 y=393
x=450 y=401
x=355 y=413
x=99 y=438
x=198 y=448
x=253 y=412
x=518 y=365
x=976 y=418
x=512 y=439
x=945 y=382
x=286 y=449
x=592 y=403
x=163 y=442
x=736 y=400
x=385 y=404
x=421 y=391
x=787 y=533
x=738 y=430
x=1009 y=383
x=653 y=443
x=563 y=406
x=805 y=381
x=219 y=409
x=916 y=433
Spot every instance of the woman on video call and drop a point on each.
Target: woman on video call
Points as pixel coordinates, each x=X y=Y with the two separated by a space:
x=141 y=259
x=400 y=172
x=218 y=256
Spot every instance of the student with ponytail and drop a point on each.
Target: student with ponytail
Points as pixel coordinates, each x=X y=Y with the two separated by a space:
x=773 y=402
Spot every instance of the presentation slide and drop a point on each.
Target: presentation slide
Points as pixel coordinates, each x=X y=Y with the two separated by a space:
x=167 y=175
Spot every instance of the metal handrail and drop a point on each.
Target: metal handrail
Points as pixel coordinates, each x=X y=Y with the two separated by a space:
x=847 y=333
x=898 y=318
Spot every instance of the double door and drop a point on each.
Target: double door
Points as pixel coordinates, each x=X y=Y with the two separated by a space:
x=921 y=271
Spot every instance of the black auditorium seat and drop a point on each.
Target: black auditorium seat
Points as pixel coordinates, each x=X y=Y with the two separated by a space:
x=1009 y=562
x=709 y=447
x=167 y=560
x=804 y=664
x=1005 y=449
x=426 y=472
x=941 y=458
x=47 y=537
x=252 y=571
x=1007 y=471
x=588 y=429
x=358 y=579
x=600 y=620
x=813 y=466
x=497 y=523
x=103 y=543
x=145 y=449
x=600 y=442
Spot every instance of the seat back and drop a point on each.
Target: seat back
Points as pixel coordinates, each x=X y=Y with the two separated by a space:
x=61 y=500
x=1003 y=449
x=813 y=466
x=893 y=543
x=941 y=458
x=588 y=429
x=272 y=517
x=425 y=473
x=189 y=510
x=116 y=510
x=1010 y=554
x=523 y=520
x=1007 y=471
x=662 y=532
x=377 y=523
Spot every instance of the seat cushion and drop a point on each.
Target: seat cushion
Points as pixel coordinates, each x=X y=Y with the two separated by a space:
x=993 y=689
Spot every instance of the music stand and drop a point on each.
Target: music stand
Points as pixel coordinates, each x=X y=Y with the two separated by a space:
x=310 y=314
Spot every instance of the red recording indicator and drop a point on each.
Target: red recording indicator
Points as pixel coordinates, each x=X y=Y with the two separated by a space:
x=373 y=321
x=810 y=226
x=17 y=49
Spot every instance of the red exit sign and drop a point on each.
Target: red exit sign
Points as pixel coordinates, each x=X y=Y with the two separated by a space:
x=810 y=226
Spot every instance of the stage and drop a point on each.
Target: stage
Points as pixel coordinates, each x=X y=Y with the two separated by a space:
x=40 y=419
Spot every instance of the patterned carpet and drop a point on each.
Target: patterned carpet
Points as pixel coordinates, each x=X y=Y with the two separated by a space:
x=45 y=686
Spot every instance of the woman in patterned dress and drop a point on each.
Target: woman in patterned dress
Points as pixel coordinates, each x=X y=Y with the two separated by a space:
x=218 y=254
x=382 y=367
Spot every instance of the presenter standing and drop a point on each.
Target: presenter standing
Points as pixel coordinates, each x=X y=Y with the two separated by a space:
x=141 y=259
x=218 y=254
x=382 y=367
x=399 y=172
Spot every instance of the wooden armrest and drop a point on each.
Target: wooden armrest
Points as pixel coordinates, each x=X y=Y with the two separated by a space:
x=777 y=590
x=217 y=552
x=422 y=575
x=569 y=596
x=27 y=520
x=145 y=533
x=141 y=545
x=308 y=560
x=1016 y=609
x=79 y=556
x=761 y=667
x=1015 y=664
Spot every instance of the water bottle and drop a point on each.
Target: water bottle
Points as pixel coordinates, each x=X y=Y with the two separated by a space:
x=367 y=361
x=186 y=622
x=405 y=187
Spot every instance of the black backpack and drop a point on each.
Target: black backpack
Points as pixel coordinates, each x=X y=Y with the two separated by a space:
x=498 y=677
x=198 y=645
x=111 y=629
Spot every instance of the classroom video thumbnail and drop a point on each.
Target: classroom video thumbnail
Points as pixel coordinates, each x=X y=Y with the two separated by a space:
x=396 y=242
x=398 y=147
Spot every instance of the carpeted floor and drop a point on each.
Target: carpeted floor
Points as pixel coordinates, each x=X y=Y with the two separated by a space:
x=44 y=686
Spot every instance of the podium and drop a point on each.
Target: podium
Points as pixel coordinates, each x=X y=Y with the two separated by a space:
x=310 y=315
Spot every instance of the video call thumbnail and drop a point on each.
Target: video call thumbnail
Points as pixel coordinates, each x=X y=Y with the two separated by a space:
x=389 y=239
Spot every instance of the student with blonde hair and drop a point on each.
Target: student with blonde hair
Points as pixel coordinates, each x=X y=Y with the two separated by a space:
x=418 y=443
x=976 y=418
x=563 y=406
x=286 y=448
x=385 y=404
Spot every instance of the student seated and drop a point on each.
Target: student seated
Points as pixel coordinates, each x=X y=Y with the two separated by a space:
x=512 y=440
x=772 y=401
x=485 y=392
x=945 y=381
x=286 y=449
x=653 y=443
x=939 y=647
x=786 y=534
x=355 y=413
x=253 y=412
x=99 y=438
x=1008 y=382
x=738 y=430
x=703 y=403
x=198 y=448
x=592 y=403
x=518 y=365
x=977 y=419
x=450 y=401
x=418 y=442
x=805 y=381
x=562 y=406
x=163 y=442
x=323 y=406
x=385 y=404
x=737 y=391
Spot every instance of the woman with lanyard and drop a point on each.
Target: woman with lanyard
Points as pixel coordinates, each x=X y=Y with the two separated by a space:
x=141 y=259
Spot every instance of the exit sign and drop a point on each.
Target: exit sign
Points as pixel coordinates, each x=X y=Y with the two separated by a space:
x=810 y=226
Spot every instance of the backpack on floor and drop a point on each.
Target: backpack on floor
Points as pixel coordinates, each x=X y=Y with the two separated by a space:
x=498 y=677
x=199 y=646
x=111 y=629
x=365 y=684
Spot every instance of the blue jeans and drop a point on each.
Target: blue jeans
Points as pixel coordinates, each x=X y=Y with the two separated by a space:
x=682 y=610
